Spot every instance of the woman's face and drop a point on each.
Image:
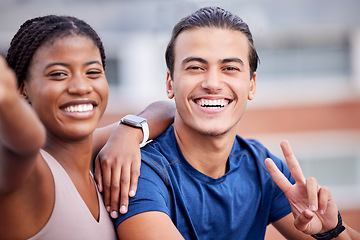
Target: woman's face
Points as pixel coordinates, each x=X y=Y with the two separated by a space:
x=67 y=87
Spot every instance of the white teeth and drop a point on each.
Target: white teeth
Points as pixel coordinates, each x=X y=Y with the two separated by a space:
x=212 y=104
x=79 y=108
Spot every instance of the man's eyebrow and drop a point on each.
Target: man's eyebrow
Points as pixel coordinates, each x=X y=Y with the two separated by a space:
x=198 y=59
x=227 y=60
x=193 y=59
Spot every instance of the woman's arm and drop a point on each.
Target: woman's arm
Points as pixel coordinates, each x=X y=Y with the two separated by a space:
x=159 y=115
x=117 y=166
x=21 y=133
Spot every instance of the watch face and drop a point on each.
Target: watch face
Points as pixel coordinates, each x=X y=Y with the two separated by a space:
x=133 y=120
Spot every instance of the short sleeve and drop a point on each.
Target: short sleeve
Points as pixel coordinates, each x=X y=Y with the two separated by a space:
x=279 y=204
x=151 y=195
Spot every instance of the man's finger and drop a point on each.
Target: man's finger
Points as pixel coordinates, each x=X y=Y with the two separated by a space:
x=312 y=188
x=278 y=177
x=292 y=163
x=303 y=220
x=324 y=197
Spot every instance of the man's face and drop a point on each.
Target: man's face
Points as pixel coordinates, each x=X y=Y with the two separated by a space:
x=211 y=81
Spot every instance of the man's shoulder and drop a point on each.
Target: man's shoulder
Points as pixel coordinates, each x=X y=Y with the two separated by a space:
x=250 y=146
x=255 y=150
x=259 y=152
x=162 y=150
x=166 y=142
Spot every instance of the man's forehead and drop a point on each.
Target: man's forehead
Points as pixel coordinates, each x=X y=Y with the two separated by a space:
x=224 y=44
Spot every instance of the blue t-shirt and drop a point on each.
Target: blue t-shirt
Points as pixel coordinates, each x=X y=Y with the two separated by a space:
x=238 y=205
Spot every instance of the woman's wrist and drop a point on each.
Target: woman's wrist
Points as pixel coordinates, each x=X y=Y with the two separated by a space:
x=139 y=123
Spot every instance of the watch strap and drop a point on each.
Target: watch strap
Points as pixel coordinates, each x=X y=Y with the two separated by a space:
x=137 y=122
x=333 y=233
x=145 y=130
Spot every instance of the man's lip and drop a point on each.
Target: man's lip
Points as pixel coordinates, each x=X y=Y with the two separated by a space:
x=204 y=101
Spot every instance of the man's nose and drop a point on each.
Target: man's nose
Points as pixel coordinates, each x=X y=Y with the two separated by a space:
x=212 y=81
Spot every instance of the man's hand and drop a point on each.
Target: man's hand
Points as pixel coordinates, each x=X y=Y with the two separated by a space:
x=313 y=207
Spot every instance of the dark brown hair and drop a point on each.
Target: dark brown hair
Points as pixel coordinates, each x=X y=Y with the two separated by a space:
x=211 y=17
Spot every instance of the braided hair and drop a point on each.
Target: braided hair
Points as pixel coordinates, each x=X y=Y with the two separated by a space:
x=40 y=30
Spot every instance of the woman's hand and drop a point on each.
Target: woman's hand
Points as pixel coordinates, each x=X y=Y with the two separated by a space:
x=313 y=206
x=117 y=168
x=117 y=165
x=8 y=84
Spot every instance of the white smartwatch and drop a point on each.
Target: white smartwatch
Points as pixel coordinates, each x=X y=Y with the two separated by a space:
x=137 y=122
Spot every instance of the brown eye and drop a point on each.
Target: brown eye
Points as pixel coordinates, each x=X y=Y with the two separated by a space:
x=232 y=69
x=194 y=68
x=94 y=74
x=57 y=75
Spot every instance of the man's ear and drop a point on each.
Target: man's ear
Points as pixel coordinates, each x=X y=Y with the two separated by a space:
x=169 y=86
x=23 y=92
x=252 y=89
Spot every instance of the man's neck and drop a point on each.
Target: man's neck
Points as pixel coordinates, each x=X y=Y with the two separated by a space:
x=207 y=154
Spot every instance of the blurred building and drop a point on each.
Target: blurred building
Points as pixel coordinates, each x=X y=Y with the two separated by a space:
x=308 y=83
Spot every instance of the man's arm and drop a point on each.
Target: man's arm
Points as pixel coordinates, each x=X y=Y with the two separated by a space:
x=148 y=226
x=117 y=166
x=286 y=227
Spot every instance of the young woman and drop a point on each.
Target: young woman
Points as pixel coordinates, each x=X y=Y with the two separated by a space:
x=47 y=138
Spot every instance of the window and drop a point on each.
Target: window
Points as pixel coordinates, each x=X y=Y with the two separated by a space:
x=298 y=63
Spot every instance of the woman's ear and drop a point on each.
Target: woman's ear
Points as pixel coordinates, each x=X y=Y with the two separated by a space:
x=169 y=86
x=23 y=92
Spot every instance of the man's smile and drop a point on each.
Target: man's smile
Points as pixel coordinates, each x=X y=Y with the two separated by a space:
x=212 y=103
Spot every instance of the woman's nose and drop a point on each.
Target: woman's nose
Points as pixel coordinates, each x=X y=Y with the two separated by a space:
x=80 y=85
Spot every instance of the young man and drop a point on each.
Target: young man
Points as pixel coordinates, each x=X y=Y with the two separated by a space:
x=199 y=180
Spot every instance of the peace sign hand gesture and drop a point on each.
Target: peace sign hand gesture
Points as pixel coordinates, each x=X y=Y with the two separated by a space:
x=313 y=207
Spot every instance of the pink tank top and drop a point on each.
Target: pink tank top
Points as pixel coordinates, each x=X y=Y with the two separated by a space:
x=71 y=218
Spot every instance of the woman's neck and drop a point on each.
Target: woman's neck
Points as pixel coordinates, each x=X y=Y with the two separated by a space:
x=73 y=155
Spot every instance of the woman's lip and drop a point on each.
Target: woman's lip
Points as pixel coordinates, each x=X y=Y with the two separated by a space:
x=79 y=108
x=78 y=102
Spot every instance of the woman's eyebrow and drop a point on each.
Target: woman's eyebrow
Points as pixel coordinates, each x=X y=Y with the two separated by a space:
x=56 y=63
x=68 y=65
x=93 y=62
